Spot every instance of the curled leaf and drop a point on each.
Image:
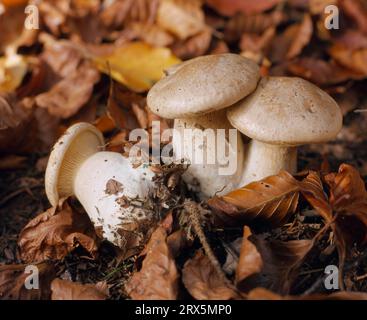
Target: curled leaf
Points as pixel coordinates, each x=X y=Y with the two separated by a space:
x=203 y=281
x=158 y=277
x=13 y=280
x=250 y=261
x=231 y=7
x=272 y=200
x=280 y=262
x=68 y=290
x=312 y=189
x=56 y=232
x=70 y=94
x=183 y=18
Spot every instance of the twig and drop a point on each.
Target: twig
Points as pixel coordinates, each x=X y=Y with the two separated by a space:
x=362 y=277
x=18 y=192
x=194 y=212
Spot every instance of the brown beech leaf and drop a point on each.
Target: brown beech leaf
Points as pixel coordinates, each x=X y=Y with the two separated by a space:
x=12 y=162
x=290 y=43
x=231 y=7
x=67 y=97
x=271 y=200
x=151 y=34
x=158 y=277
x=183 y=18
x=264 y=294
x=312 y=189
x=357 y=11
x=348 y=198
x=250 y=261
x=355 y=60
x=68 y=290
x=194 y=46
x=280 y=262
x=322 y=72
x=18 y=130
x=56 y=232
x=61 y=56
x=12 y=114
x=302 y=38
x=121 y=13
x=14 y=277
x=347 y=190
x=203 y=282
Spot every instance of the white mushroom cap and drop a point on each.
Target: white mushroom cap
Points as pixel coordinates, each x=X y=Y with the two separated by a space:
x=203 y=85
x=78 y=143
x=287 y=111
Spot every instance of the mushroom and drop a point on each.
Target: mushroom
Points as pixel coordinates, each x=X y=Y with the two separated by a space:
x=103 y=182
x=195 y=94
x=283 y=113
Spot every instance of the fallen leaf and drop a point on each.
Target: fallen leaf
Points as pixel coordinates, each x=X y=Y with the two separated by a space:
x=264 y=294
x=302 y=38
x=254 y=24
x=18 y=130
x=194 y=46
x=68 y=290
x=249 y=7
x=357 y=11
x=158 y=277
x=152 y=34
x=318 y=6
x=312 y=189
x=14 y=277
x=70 y=94
x=12 y=162
x=137 y=65
x=121 y=13
x=271 y=200
x=13 y=68
x=355 y=60
x=203 y=282
x=322 y=72
x=290 y=43
x=347 y=190
x=183 y=18
x=281 y=259
x=348 y=198
x=56 y=232
x=257 y=43
x=250 y=261
x=13 y=3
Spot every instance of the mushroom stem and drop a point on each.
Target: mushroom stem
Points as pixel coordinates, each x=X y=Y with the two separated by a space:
x=263 y=160
x=215 y=159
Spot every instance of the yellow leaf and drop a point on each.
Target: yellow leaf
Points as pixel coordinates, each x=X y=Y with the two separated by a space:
x=13 y=68
x=137 y=65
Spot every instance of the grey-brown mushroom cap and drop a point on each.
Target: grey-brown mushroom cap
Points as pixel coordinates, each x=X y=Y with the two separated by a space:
x=287 y=111
x=203 y=85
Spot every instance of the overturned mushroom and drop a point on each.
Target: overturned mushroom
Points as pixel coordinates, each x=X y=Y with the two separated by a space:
x=102 y=181
x=195 y=94
x=283 y=113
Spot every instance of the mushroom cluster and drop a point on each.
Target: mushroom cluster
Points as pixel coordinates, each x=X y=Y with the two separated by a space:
x=196 y=94
x=225 y=91
x=218 y=92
